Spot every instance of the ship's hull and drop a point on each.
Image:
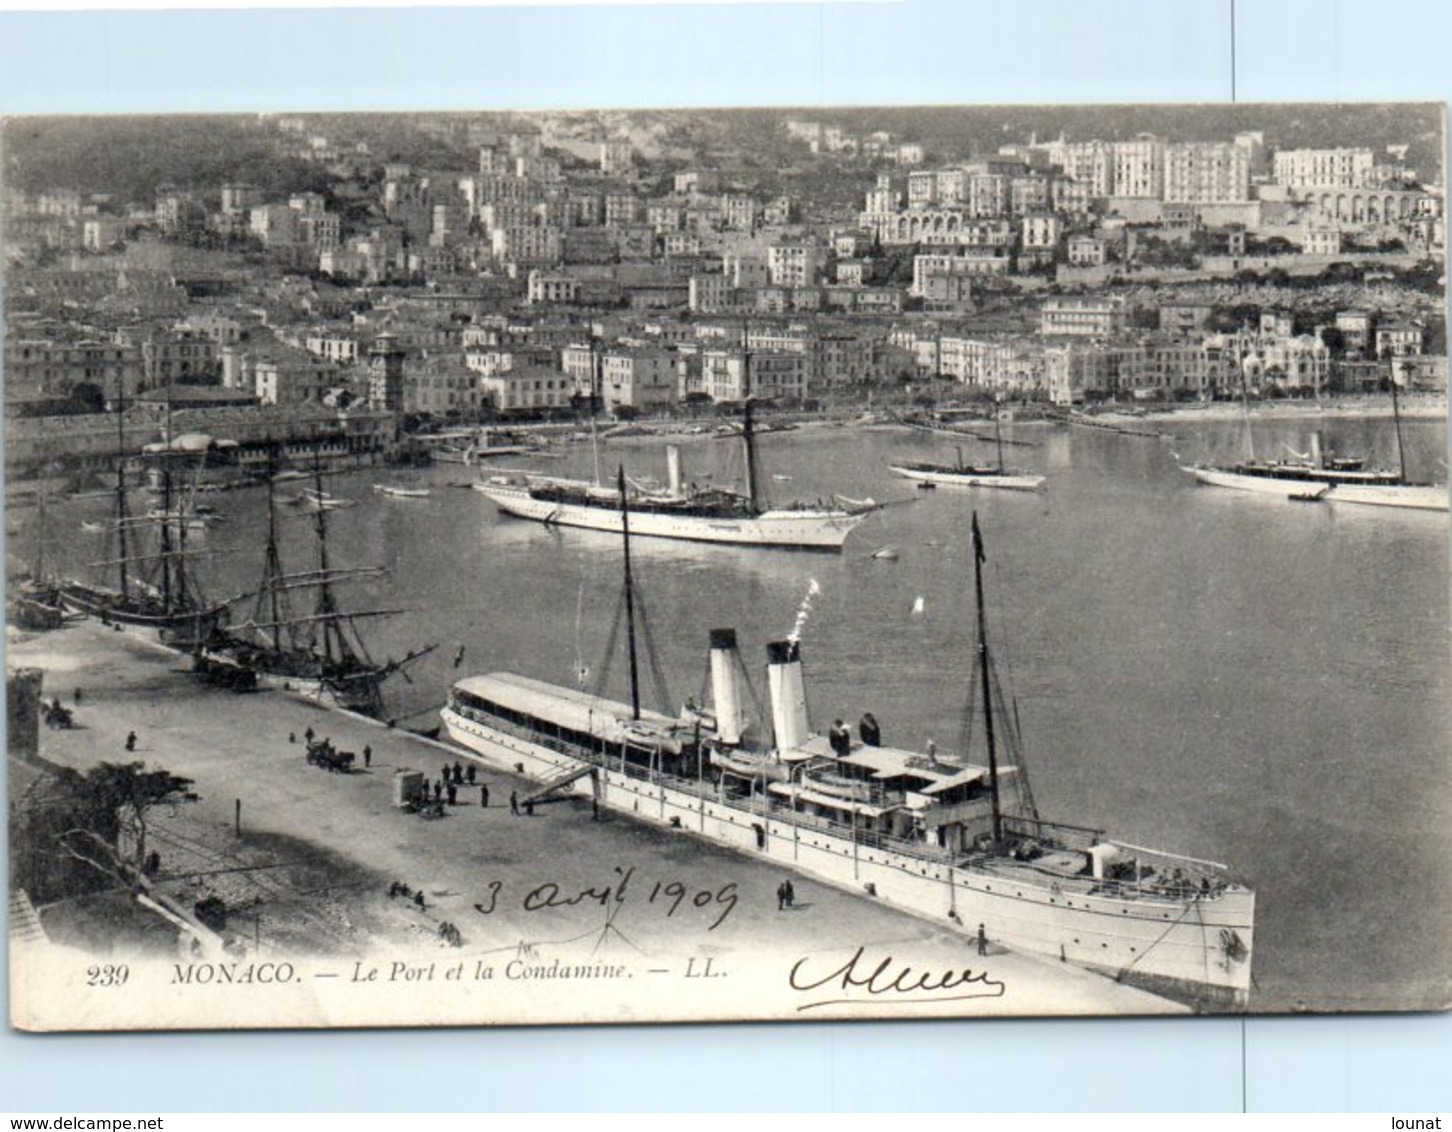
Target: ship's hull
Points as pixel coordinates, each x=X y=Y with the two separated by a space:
x=302 y=673
x=1196 y=950
x=1367 y=489
x=179 y=629
x=949 y=476
x=804 y=529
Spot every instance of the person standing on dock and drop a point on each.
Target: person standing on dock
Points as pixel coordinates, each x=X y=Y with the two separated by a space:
x=483 y=797
x=982 y=940
x=367 y=757
x=131 y=740
x=514 y=802
x=308 y=734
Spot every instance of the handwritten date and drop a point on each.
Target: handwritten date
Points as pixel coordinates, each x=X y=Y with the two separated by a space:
x=669 y=896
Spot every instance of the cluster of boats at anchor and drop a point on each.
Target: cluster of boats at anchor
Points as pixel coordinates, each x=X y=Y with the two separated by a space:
x=295 y=633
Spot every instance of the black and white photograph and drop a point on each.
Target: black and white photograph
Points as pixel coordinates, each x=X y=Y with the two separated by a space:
x=616 y=566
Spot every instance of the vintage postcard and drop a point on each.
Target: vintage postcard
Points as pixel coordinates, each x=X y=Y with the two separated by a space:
x=506 y=568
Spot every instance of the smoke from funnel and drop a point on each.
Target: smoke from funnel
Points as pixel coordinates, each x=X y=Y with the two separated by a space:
x=804 y=611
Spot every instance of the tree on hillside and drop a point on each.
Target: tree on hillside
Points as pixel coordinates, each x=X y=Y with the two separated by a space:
x=111 y=804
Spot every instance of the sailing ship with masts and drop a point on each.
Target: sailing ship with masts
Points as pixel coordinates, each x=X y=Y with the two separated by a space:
x=311 y=646
x=147 y=582
x=33 y=598
x=939 y=834
x=681 y=510
x=1320 y=477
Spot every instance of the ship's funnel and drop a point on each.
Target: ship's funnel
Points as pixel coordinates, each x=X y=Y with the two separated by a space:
x=788 y=694
x=1316 y=459
x=726 y=686
x=673 y=475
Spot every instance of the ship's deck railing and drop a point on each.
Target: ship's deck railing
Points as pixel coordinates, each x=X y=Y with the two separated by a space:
x=873 y=839
x=1171 y=878
x=1161 y=887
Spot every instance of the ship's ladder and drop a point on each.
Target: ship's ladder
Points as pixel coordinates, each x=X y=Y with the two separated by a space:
x=556 y=784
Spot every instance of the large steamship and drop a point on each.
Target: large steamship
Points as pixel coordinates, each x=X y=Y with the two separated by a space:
x=934 y=833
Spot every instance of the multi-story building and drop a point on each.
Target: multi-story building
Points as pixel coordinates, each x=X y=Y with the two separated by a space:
x=58 y=369
x=441 y=387
x=1088 y=251
x=744 y=271
x=731 y=375
x=330 y=346
x=1321 y=239
x=616 y=157
x=1082 y=317
x=1139 y=168
x=710 y=293
x=1041 y=230
x=323 y=230
x=1207 y=173
x=550 y=288
x=988 y=194
x=527 y=245
x=792 y=265
x=622 y=209
x=1324 y=168
x=527 y=390
x=291 y=377
x=1398 y=339
x=274 y=224
x=101 y=233
x=386 y=378
x=1089 y=163
x=740 y=211
x=638 y=378
x=697 y=181
x=1355 y=327
x=177 y=212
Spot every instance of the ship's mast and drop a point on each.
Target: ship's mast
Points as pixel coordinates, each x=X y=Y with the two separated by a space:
x=998 y=433
x=40 y=537
x=1397 y=418
x=272 y=563
x=597 y=391
x=748 y=437
x=629 y=600
x=166 y=541
x=326 y=609
x=978 y=558
x=122 y=518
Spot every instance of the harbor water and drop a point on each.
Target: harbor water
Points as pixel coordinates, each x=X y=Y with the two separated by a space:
x=1240 y=678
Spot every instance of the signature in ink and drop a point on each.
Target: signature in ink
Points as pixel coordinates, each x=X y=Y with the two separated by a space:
x=865 y=979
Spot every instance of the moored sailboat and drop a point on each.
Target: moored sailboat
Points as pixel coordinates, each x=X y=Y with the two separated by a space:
x=681 y=511
x=153 y=585
x=318 y=652
x=1323 y=478
x=960 y=474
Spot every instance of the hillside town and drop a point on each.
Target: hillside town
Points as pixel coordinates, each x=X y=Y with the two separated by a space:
x=551 y=266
